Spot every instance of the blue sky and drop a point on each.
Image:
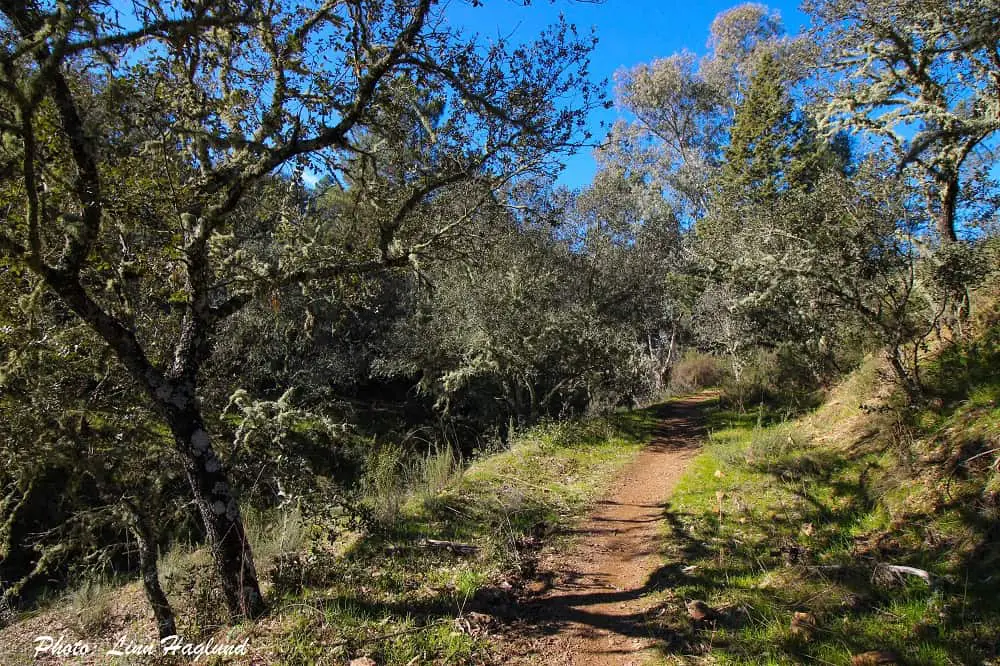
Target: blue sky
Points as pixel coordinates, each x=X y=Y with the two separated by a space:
x=629 y=32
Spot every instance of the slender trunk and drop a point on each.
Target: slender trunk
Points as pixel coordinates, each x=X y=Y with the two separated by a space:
x=906 y=380
x=220 y=513
x=143 y=533
x=665 y=370
x=948 y=199
x=520 y=407
x=532 y=401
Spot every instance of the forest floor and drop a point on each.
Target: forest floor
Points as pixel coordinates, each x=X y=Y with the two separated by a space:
x=589 y=603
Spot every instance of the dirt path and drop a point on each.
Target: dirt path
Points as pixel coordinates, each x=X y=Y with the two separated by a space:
x=595 y=604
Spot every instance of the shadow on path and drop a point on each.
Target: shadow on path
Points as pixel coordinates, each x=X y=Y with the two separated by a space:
x=596 y=610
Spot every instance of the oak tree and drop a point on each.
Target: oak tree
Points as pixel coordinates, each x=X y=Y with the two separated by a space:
x=923 y=75
x=136 y=137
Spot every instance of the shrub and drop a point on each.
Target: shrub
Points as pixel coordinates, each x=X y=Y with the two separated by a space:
x=696 y=371
x=439 y=468
x=91 y=603
x=386 y=482
x=274 y=532
x=784 y=380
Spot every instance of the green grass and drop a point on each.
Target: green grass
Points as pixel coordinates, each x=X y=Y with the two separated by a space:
x=808 y=508
x=388 y=598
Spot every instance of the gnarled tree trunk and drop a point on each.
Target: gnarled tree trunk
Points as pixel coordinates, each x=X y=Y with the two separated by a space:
x=948 y=185
x=220 y=514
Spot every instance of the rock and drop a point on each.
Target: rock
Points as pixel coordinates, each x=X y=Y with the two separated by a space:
x=875 y=658
x=803 y=625
x=363 y=661
x=480 y=623
x=699 y=611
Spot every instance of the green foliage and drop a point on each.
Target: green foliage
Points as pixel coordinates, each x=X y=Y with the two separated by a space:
x=772 y=147
x=272 y=533
x=527 y=325
x=183 y=317
x=385 y=483
x=152 y=195
x=783 y=380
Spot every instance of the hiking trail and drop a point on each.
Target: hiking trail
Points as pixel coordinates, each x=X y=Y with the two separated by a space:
x=591 y=601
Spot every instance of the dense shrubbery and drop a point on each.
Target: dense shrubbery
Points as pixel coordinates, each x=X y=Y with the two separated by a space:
x=695 y=371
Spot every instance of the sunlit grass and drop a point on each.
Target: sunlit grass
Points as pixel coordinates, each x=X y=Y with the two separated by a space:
x=777 y=518
x=391 y=599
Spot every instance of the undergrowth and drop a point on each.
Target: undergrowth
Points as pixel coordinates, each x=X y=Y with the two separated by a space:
x=393 y=592
x=398 y=594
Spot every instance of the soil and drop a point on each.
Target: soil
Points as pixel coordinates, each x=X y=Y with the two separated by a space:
x=590 y=604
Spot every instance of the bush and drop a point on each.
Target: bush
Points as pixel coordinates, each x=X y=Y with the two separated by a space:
x=696 y=371
x=91 y=603
x=439 y=469
x=275 y=532
x=784 y=380
x=385 y=483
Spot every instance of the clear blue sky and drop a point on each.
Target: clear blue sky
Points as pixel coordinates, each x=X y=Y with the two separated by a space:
x=629 y=32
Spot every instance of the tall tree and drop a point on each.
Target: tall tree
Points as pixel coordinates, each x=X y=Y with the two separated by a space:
x=772 y=146
x=922 y=74
x=203 y=101
x=682 y=107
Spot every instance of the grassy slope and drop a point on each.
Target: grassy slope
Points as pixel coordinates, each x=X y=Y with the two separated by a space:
x=384 y=595
x=794 y=517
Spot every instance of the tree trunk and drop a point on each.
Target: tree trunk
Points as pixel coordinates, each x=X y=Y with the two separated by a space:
x=143 y=533
x=909 y=384
x=532 y=402
x=948 y=199
x=520 y=408
x=220 y=513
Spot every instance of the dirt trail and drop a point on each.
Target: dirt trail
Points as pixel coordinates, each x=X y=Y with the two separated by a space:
x=594 y=610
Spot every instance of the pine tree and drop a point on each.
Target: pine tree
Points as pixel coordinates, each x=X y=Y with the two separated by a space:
x=773 y=147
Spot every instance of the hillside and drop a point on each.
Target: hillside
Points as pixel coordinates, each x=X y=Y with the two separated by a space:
x=865 y=532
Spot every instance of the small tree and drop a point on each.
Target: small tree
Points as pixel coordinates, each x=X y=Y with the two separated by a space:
x=773 y=147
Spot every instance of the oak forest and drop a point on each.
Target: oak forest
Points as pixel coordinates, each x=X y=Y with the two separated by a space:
x=309 y=346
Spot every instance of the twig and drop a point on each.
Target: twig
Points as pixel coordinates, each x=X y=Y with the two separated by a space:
x=452 y=546
x=980 y=455
x=903 y=570
x=880 y=568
